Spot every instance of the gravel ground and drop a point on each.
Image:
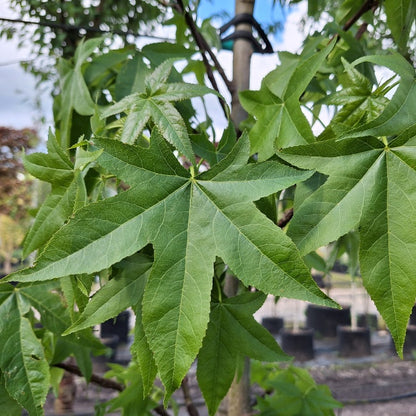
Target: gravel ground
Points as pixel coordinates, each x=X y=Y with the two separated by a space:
x=376 y=385
x=380 y=384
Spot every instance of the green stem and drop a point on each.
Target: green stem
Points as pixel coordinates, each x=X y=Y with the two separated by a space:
x=217 y=284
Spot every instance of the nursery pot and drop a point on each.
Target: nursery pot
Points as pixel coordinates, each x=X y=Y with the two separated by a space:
x=410 y=341
x=354 y=342
x=325 y=320
x=412 y=319
x=409 y=346
x=298 y=343
x=118 y=326
x=367 y=320
x=273 y=324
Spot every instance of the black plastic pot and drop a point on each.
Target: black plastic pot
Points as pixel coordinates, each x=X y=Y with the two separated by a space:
x=412 y=319
x=409 y=347
x=298 y=343
x=326 y=320
x=354 y=342
x=273 y=324
x=367 y=320
x=118 y=326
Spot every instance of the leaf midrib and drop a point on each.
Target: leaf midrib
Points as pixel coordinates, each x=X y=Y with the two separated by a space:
x=124 y=224
x=219 y=210
x=21 y=351
x=360 y=180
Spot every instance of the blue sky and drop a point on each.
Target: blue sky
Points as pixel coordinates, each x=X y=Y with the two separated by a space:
x=264 y=12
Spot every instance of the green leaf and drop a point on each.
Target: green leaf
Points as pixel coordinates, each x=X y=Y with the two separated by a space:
x=280 y=122
x=142 y=353
x=155 y=104
x=22 y=360
x=189 y=220
x=232 y=334
x=399 y=113
x=131 y=77
x=295 y=393
x=8 y=406
x=160 y=52
x=102 y=68
x=54 y=167
x=75 y=93
x=68 y=193
x=131 y=400
x=55 y=317
x=369 y=186
x=335 y=207
x=360 y=104
x=400 y=17
x=120 y=293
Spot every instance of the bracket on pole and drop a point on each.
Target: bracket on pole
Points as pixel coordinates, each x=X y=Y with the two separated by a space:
x=227 y=41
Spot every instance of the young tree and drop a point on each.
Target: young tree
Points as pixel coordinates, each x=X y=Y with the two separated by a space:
x=188 y=209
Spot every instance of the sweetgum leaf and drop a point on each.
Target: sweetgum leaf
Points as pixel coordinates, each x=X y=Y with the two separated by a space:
x=22 y=360
x=370 y=185
x=280 y=122
x=68 y=193
x=399 y=113
x=8 y=406
x=75 y=93
x=232 y=334
x=117 y=295
x=189 y=220
x=154 y=103
x=400 y=17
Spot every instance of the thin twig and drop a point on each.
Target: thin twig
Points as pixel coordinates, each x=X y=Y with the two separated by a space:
x=203 y=45
x=204 y=48
x=367 y=5
x=361 y=30
x=192 y=410
x=101 y=381
x=68 y=28
x=287 y=216
x=160 y=410
x=104 y=382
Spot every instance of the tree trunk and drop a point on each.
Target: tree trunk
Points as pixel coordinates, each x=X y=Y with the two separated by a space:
x=238 y=397
x=242 y=52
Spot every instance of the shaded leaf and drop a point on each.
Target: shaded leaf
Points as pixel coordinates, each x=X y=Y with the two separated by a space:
x=280 y=122
x=399 y=113
x=68 y=193
x=232 y=334
x=22 y=360
x=400 y=18
x=120 y=293
x=75 y=93
x=8 y=406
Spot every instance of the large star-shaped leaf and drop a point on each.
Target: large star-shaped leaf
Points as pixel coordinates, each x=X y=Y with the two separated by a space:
x=371 y=185
x=189 y=220
x=279 y=119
